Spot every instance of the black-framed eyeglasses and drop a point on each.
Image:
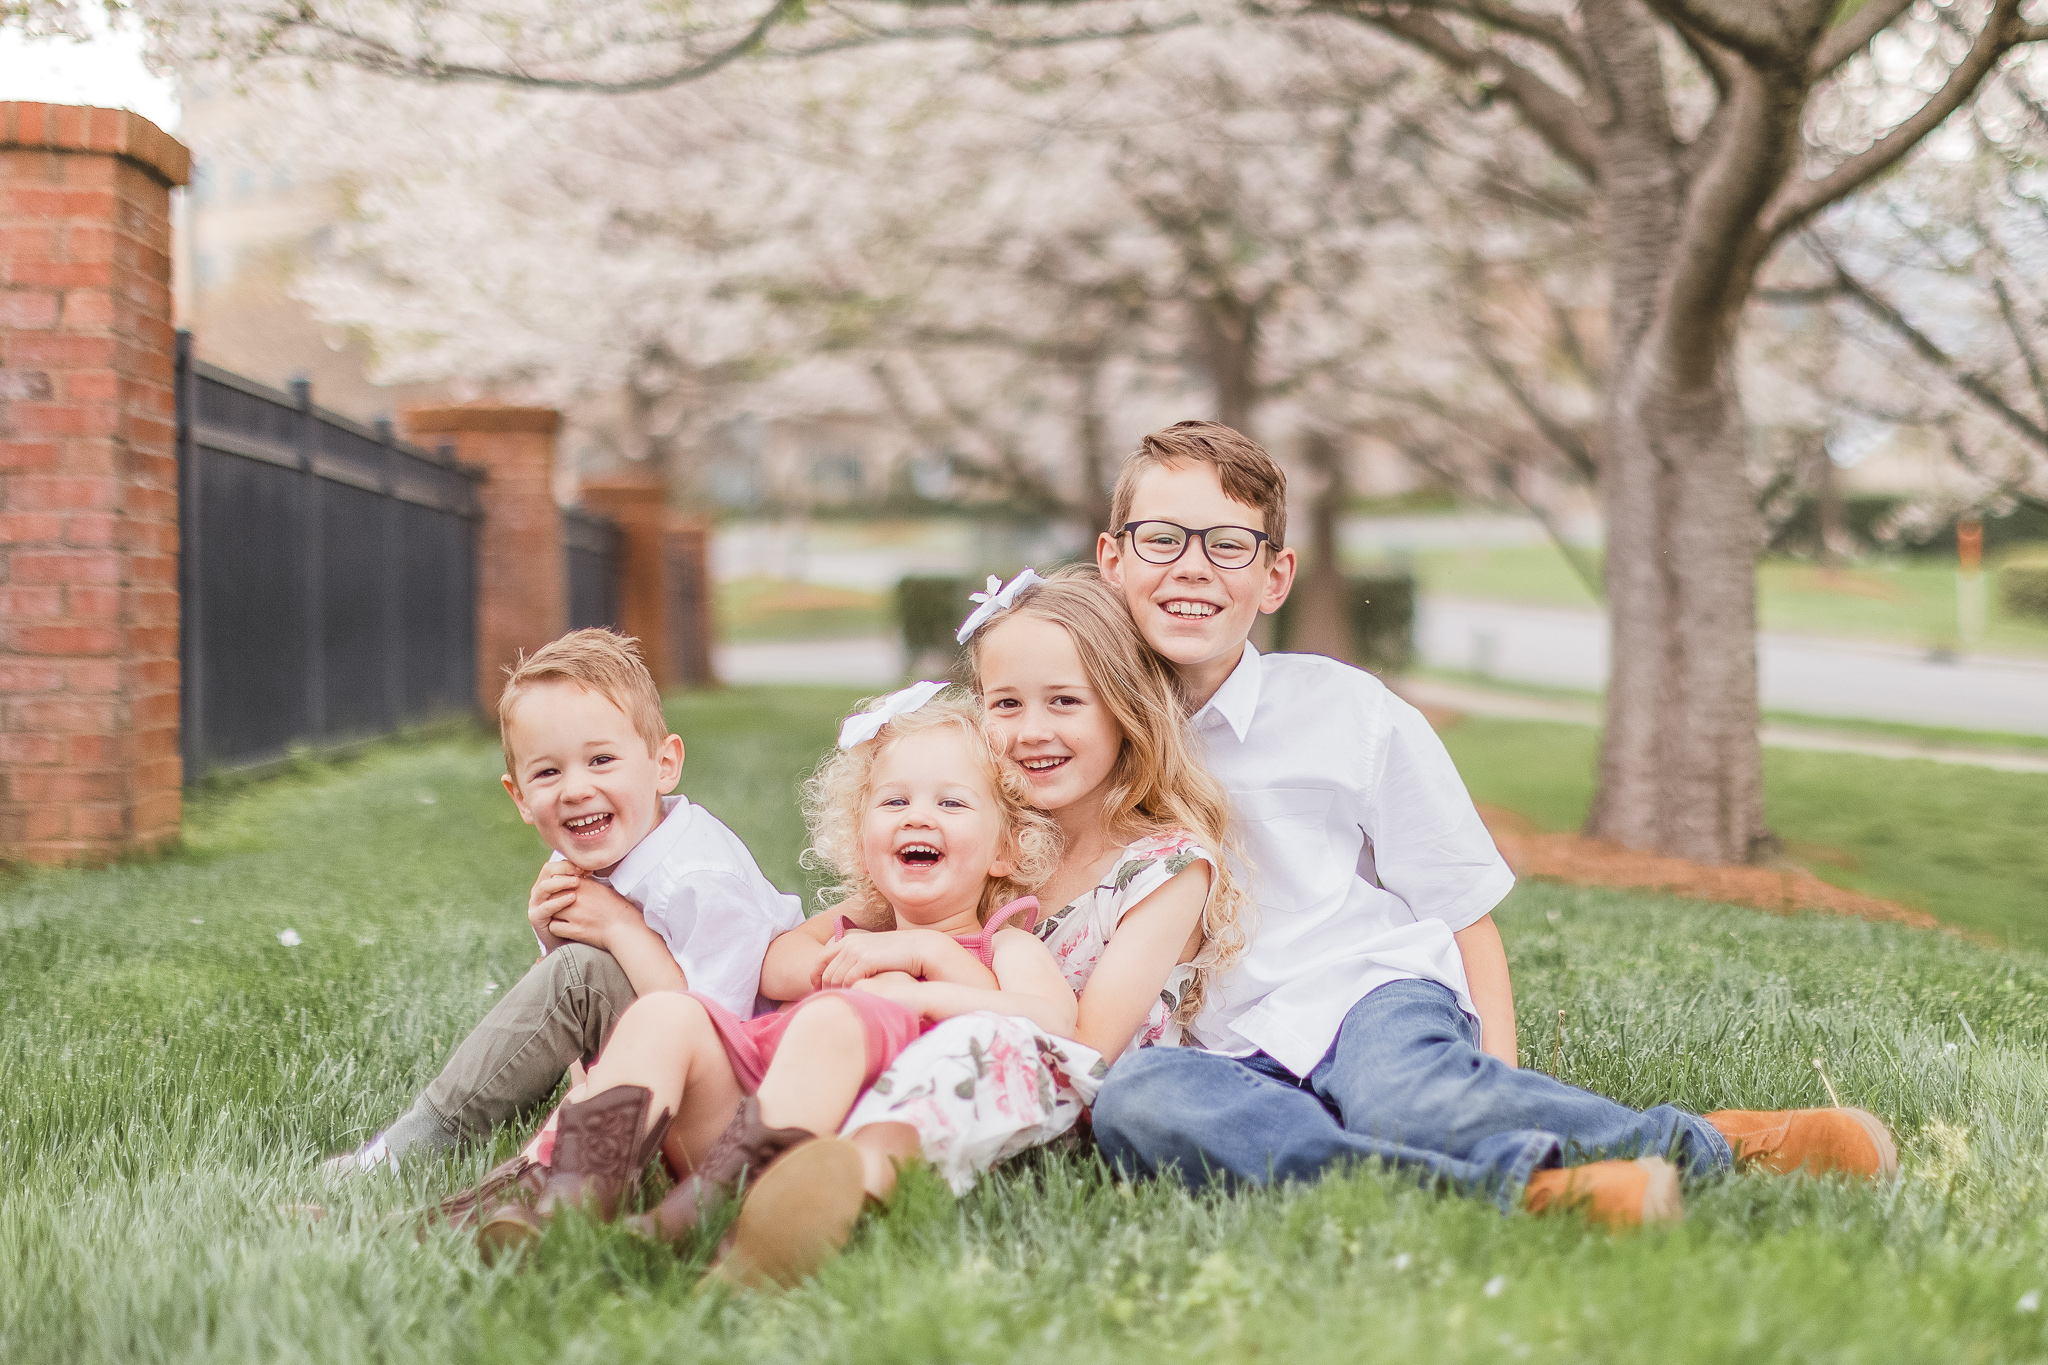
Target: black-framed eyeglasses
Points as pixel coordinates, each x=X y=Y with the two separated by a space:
x=1164 y=542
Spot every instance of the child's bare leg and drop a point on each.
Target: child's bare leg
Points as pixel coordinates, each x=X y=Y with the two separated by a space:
x=818 y=1069
x=883 y=1147
x=666 y=1043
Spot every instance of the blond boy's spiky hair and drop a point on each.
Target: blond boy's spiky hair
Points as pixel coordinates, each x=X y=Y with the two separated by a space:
x=599 y=661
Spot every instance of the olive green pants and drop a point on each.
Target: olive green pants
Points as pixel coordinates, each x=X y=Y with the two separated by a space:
x=560 y=1012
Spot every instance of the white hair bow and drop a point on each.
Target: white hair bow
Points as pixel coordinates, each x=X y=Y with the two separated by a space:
x=863 y=726
x=997 y=598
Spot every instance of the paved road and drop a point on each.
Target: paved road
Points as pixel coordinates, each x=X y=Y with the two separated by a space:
x=1569 y=649
x=1483 y=701
x=1803 y=674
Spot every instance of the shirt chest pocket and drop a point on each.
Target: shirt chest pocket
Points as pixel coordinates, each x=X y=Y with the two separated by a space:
x=1287 y=835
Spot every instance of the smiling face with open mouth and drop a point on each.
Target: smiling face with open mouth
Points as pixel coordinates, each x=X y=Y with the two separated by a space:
x=1194 y=614
x=582 y=776
x=933 y=833
x=1046 y=715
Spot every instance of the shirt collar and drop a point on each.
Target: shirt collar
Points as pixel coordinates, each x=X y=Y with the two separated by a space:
x=1238 y=698
x=648 y=853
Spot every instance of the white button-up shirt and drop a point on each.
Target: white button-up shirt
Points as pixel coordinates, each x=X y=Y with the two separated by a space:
x=701 y=890
x=1367 y=853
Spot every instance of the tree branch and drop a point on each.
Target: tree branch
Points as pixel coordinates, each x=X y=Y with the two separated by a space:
x=1853 y=34
x=1553 y=115
x=1928 y=350
x=371 y=53
x=1760 y=43
x=1553 y=33
x=1567 y=442
x=2022 y=342
x=1797 y=201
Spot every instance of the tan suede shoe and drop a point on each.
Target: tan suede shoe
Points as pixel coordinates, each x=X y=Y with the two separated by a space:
x=1853 y=1141
x=1617 y=1194
x=795 y=1218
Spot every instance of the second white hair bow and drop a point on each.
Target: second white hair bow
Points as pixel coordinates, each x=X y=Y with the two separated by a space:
x=997 y=598
x=863 y=726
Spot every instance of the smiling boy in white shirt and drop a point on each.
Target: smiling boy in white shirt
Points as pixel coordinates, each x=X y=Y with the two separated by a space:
x=645 y=892
x=1372 y=1015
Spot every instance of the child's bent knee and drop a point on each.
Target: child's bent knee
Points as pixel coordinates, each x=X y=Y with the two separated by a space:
x=825 y=1018
x=668 y=1011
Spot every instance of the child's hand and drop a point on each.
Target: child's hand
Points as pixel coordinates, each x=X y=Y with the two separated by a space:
x=858 y=956
x=594 y=915
x=554 y=890
x=901 y=987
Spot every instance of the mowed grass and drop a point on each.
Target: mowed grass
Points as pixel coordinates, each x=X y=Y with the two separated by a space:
x=752 y=609
x=167 y=1088
x=1968 y=845
x=1902 y=600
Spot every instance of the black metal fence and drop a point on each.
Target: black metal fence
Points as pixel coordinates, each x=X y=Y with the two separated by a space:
x=327 y=573
x=590 y=551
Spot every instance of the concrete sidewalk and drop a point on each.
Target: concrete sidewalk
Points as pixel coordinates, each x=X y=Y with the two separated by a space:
x=1810 y=675
x=1482 y=701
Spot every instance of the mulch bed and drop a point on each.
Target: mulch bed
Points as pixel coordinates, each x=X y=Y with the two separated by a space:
x=1580 y=861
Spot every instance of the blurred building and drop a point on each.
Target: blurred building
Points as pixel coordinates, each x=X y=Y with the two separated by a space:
x=247 y=222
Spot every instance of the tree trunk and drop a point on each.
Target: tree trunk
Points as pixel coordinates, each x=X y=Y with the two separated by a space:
x=1680 y=766
x=1227 y=333
x=1092 y=434
x=1321 y=625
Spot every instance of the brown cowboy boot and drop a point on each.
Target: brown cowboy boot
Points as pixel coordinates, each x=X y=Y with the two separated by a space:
x=795 y=1218
x=746 y=1145
x=520 y=1178
x=599 y=1148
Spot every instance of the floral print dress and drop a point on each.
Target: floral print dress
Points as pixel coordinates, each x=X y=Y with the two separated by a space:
x=980 y=1088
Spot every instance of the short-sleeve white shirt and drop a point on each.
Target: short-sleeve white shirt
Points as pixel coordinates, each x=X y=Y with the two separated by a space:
x=1367 y=854
x=701 y=890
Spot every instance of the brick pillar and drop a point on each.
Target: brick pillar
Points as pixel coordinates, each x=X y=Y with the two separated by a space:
x=639 y=508
x=522 y=593
x=692 y=599
x=88 y=484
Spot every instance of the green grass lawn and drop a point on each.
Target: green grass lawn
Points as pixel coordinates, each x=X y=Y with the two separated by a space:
x=1905 y=601
x=1965 y=844
x=170 y=1074
x=777 y=609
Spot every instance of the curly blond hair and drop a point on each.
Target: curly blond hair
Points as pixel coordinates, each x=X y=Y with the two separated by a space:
x=1158 y=784
x=835 y=807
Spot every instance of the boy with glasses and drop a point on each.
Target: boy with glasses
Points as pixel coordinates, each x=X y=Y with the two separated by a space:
x=1372 y=1015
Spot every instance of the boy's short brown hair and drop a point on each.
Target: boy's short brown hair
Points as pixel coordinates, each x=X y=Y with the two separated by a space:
x=1248 y=474
x=599 y=661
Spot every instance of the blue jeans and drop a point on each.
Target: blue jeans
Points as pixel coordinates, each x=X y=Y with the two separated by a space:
x=1405 y=1082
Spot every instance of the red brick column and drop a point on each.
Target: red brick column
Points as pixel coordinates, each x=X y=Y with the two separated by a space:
x=639 y=507
x=88 y=484
x=522 y=592
x=692 y=599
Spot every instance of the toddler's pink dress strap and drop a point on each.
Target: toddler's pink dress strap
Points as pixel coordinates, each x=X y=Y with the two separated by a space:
x=982 y=945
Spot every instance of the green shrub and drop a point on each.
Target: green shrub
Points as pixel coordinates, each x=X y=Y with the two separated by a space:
x=1381 y=612
x=2023 y=586
x=930 y=608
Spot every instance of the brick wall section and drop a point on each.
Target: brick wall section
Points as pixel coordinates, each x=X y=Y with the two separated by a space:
x=664 y=584
x=638 y=507
x=88 y=485
x=522 y=594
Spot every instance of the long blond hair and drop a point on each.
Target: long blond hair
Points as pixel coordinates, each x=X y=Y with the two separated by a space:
x=1157 y=784
x=836 y=800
